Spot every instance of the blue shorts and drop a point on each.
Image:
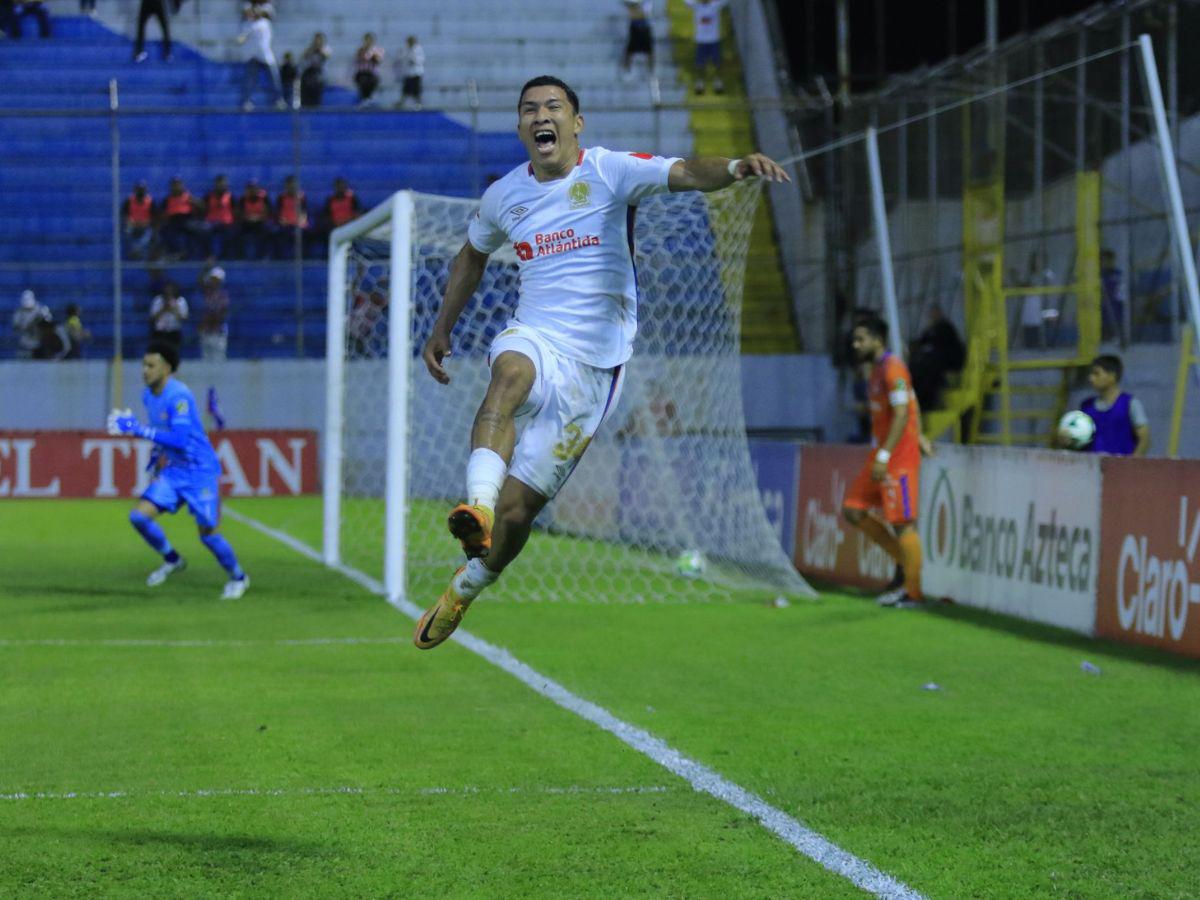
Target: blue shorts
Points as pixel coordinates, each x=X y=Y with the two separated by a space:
x=200 y=492
x=708 y=53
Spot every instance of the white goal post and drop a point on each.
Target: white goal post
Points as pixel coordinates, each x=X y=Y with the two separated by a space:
x=667 y=479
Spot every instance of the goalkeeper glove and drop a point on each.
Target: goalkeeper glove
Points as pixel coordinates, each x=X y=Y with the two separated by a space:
x=123 y=421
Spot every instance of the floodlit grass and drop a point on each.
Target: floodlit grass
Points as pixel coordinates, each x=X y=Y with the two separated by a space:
x=255 y=757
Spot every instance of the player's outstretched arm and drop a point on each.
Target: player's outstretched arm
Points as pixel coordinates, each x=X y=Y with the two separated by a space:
x=123 y=421
x=711 y=173
x=465 y=274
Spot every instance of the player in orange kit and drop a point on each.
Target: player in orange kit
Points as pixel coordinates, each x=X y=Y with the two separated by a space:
x=889 y=480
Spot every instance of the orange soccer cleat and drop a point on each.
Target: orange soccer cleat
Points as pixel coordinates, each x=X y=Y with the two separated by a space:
x=440 y=620
x=472 y=525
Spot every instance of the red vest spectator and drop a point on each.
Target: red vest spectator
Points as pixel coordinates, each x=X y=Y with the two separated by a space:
x=180 y=204
x=255 y=205
x=342 y=209
x=139 y=211
x=293 y=210
x=219 y=208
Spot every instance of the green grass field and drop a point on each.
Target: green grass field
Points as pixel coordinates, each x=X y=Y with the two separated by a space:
x=164 y=743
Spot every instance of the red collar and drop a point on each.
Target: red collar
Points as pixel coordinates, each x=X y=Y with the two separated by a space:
x=578 y=162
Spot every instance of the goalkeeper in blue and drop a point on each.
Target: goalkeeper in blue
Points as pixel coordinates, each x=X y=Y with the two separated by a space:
x=186 y=465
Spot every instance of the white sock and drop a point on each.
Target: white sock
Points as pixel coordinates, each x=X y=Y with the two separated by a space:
x=473 y=579
x=485 y=473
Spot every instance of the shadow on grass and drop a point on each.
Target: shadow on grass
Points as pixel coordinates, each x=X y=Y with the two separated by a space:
x=1094 y=648
x=205 y=843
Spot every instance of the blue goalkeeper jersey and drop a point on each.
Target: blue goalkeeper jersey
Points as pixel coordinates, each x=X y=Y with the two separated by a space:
x=175 y=411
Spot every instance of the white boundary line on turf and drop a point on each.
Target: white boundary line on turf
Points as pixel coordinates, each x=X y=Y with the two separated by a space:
x=214 y=642
x=343 y=790
x=813 y=845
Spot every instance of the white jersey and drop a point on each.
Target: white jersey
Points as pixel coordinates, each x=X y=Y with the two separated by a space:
x=706 y=19
x=574 y=243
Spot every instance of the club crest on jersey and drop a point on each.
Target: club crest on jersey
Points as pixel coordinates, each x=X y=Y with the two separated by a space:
x=580 y=194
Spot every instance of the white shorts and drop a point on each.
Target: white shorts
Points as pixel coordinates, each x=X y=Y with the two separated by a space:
x=565 y=407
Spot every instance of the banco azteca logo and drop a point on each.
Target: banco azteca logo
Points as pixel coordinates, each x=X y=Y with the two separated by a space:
x=580 y=193
x=941 y=535
x=524 y=250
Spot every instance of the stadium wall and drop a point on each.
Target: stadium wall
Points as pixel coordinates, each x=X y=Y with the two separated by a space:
x=781 y=393
x=1103 y=546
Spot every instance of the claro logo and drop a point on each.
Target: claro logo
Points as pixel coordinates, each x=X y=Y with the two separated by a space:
x=1154 y=592
x=822 y=536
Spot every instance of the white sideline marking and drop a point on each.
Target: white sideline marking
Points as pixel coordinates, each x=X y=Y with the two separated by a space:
x=813 y=845
x=215 y=642
x=330 y=791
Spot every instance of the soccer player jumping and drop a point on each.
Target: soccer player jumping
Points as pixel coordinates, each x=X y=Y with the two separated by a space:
x=558 y=366
x=889 y=478
x=187 y=469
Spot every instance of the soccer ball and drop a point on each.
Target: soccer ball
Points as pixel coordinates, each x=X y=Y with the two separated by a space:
x=690 y=564
x=1076 y=429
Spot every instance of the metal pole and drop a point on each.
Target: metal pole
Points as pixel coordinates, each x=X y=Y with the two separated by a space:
x=118 y=337
x=1126 y=323
x=298 y=244
x=1039 y=137
x=1170 y=181
x=1173 y=122
x=335 y=374
x=993 y=29
x=843 y=52
x=1081 y=107
x=882 y=241
x=656 y=103
x=473 y=103
x=399 y=362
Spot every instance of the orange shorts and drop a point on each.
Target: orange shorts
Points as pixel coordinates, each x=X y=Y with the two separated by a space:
x=897 y=496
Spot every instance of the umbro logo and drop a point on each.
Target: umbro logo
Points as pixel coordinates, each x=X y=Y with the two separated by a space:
x=517 y=211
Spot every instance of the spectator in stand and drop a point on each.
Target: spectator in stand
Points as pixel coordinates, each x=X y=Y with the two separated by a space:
x=178 y=217
x=158 y=10
x=312 y=74
x=641 y=39
x=214 y=326
x=25 y=324
x=53 y=341
x=1122 y=426
x=219 y=218
x=11 y=14
x=291 y=209
x=137 y=222
x=1112 y=297
x=939 y=350
x=288 y=73
x=342 y=206
x=260 y=58
x=254 y=210
x=412 y=71
x=10 y=25
x=367 y=60
x=77 y=334
x=168 y=312
x=706 y=22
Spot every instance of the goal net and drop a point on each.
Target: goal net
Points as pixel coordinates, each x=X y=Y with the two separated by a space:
x=663 y=506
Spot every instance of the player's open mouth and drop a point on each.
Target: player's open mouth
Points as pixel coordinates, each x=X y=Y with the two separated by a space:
x=545 y=139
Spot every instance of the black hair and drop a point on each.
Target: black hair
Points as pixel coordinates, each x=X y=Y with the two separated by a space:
x=169 y=353
x=1111 y=364
x=873 y=324
x=550 y=81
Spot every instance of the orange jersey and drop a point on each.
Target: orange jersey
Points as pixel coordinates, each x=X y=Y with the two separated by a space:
x=891 y=386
